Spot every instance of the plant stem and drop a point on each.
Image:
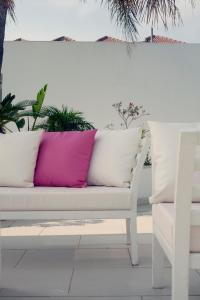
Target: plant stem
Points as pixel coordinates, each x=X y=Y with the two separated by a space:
x=33 y=127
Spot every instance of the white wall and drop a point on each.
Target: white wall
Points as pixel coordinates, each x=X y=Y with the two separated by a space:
x=91 y=76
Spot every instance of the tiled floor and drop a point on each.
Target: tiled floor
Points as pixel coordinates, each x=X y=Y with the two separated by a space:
x=44 y=266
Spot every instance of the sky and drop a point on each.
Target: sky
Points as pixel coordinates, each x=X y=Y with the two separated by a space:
x=49 y=19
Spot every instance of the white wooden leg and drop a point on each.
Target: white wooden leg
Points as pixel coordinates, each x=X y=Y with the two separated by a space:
x=180 y=278
x=158 y=258
x=128 y=233
x=133 y=240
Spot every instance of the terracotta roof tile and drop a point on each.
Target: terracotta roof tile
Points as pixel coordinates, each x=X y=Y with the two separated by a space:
x=161 y=39
x=156 y=39
x=108 y=39
x=63 y=39
x=20 y=40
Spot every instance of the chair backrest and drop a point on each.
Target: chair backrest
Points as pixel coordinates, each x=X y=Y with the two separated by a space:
x=188 y=142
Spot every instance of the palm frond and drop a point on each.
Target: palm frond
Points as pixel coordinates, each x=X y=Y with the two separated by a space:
x=8 y=99
x=10 y=4
x=152 y=11
x=125 y=13
x=130 y=13
x=10 y=112
x=64 y=120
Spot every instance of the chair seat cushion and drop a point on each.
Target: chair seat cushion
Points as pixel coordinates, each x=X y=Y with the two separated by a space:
x=163 y=217
x=58 y=198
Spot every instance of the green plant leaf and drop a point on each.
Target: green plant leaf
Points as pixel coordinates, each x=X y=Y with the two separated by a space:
x=9 y=112
x=64 y=120
x=20 y=123
x=37 y=106
x=39 y=100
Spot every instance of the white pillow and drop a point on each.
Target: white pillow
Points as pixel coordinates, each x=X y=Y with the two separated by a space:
x=164 y=147
x=114 y=157
x=18 y=154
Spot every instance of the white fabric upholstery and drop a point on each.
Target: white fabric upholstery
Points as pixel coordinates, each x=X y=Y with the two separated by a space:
x=164 y=216
x=164 y=147
x=18 y=154
x=114 y=157
x=45 y=198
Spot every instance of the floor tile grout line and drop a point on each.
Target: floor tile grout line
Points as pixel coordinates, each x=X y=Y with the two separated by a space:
x=79 y=242
x=129 y=254
x=42 y=230
x=197 y=272
x=70 y=283
x=157 y=296
x=20 y=259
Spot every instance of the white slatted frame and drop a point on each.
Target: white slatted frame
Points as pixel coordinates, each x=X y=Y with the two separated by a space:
x=131 y=223
x=183 y=198
x=179 y=255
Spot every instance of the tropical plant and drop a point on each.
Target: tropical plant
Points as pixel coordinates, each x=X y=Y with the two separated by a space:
x=10 y=112
x=64 y=120
x=37 y=106
x=36 y=111
x=127 y=13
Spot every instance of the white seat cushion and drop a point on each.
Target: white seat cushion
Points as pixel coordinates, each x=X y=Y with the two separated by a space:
x=163 y=217
x=48 y=199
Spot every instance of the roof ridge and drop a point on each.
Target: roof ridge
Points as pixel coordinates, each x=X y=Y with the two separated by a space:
x=161 y=39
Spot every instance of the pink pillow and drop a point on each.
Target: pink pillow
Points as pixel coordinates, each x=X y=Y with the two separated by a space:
x=64 y=158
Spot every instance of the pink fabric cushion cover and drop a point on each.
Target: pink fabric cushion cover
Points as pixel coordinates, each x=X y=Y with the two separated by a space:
x=64 y=158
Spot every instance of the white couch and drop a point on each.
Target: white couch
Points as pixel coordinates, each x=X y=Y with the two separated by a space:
x=91 y=202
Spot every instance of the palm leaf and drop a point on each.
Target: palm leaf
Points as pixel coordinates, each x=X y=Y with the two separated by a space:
x=130 y=13
x=125 y=13
x=64 y=120
x=40 y=99
x=11 y=8
x=7 y=100
x=20 y=123
x=10 y=112
x=37 y=106
x=151 y=11
x=10 y=5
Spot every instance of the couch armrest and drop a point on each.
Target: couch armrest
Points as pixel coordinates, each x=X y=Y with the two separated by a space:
x=140 y=159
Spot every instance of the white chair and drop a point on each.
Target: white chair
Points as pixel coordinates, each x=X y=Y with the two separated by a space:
x=174 y=234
